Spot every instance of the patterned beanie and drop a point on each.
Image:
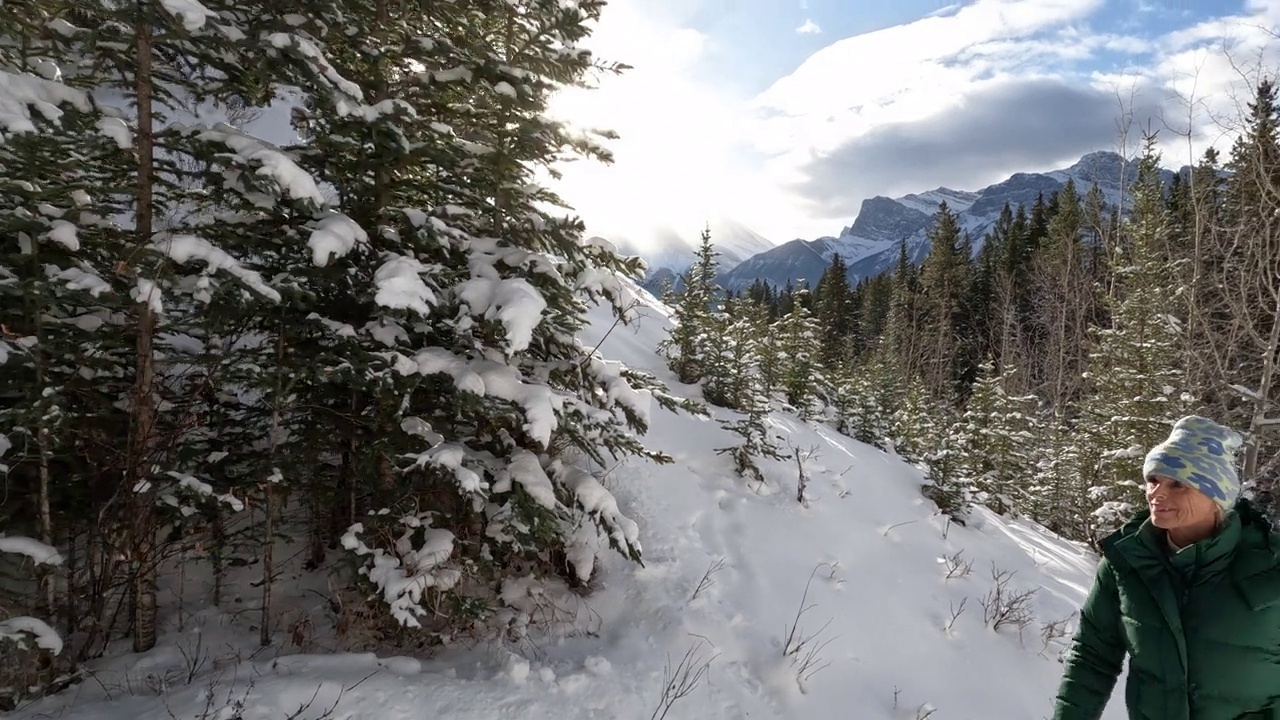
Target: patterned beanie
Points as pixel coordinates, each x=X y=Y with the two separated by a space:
x=1200 y=453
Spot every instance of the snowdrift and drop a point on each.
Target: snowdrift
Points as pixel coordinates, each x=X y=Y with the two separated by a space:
x=864 y=604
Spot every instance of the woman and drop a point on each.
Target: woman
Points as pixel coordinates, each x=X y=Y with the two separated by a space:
x=1190 y=590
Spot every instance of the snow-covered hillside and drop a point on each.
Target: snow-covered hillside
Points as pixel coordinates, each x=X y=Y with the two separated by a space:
x=885 y=630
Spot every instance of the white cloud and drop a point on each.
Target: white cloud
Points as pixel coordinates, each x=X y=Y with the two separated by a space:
x=900 y=74
x=993 y=88
x=809 y=28
x=680 y=159
x=852 y=120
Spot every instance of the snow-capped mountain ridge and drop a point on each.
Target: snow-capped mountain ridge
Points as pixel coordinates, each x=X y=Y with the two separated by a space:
x=927 y=202
x=870 y=244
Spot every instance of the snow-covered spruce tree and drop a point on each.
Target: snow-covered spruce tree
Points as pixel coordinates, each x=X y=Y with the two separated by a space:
x=1000 y=436
x=835 y=313
x=944 y=278
x=913 y=427
x=54 y=295
x=1059 y=486
x=802 y=379
x=735 y=380
x=733 y=360
x=153 y=191
x=866 y=394
x=693 y=333
x=944 y=448
x=27 y=643
x=478 y=456
x=772 y=360
x=902 y=332
x=752 y=399
x=1135 y=371
x=1064 y=302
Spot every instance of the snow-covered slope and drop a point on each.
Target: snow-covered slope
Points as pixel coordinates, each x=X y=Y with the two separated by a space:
x=725 y=573
x=927 y=202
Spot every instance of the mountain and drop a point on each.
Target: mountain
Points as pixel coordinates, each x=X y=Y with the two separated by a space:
x=876 y=582
x=674 y=249
x=870 y=245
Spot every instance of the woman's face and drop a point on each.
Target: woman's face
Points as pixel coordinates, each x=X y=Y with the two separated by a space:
x=1177 y=505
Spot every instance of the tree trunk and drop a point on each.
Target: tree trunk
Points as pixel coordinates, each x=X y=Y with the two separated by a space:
x=1260 y=422
x=269 y=498
x=142 y=435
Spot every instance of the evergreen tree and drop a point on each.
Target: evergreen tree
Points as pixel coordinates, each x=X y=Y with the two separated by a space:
x=379 y=315
x=901 y=336
x=802 y=378
x=869 y=302
x=733 y=365
x=1064 y=297
x=742 y=385
x=999 y=432
x=944 y=278
x=693 y=332
x=977 y=323
x=834 y=313
x=948 y=482
x=866 y=396
x=914 y=427
x=164 y=225
x=1059 y=489
x=1136 y=393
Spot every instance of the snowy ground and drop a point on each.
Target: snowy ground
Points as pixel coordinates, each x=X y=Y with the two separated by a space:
x=879 y=607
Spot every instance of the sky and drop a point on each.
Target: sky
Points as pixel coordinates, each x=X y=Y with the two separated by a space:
x=784 y=115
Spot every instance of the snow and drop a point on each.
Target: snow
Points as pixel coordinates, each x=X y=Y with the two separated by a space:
x=64 y=233
x=927 y=202
x=526 y=469
x=145 y=291
x=185 y=248
x=79 y=279
x=20 y=94
x=116 y=130
x=513 y=301
x=316 y=58
x=18 y=628
x=21 y=629
x=726 y=565
x=485 y=377
x=403 y=578
x=292 y=179
x=190 y=12
x=333 y=236
x=451 y=75
x=596 y=500
x=64 y=28
x=400 y=285
x=39 y=552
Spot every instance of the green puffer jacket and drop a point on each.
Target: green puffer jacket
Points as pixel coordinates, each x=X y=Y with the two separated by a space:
x=1201 y=627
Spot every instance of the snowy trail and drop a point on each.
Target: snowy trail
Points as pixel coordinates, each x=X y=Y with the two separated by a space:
x=879 y=600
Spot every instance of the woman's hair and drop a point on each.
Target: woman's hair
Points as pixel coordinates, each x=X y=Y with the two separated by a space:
x=1222 y=515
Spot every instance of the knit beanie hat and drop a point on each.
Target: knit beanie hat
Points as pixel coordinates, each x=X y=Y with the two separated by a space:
x=1200 y=453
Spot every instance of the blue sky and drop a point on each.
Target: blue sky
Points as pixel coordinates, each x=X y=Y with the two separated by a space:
x=786 y=114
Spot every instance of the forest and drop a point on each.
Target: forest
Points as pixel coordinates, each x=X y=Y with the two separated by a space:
x=294 y=289
x=1028 y=370
x=357 y=343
